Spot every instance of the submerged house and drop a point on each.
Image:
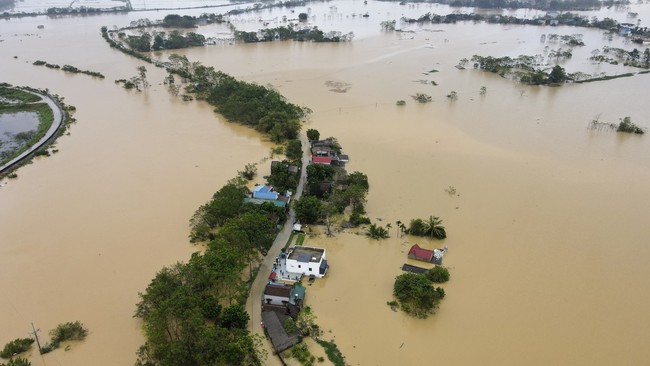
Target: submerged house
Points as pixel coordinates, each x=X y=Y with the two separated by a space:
x=283 y=298
x=425 y=255
x=308 y=261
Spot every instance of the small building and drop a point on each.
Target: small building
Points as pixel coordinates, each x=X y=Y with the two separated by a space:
x=265 y=192
x=324 y=160
x=425 y=255
x=308 y=261
x=282 y=298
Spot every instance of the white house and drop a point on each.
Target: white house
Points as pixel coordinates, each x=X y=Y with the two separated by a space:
x=307 y=260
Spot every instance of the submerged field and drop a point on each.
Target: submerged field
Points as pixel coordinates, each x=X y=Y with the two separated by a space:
x=546 y=234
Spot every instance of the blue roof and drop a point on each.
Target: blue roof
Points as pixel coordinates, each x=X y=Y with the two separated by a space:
x=262 y=189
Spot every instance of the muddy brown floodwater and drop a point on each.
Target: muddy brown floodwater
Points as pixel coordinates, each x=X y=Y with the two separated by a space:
x=547 y=232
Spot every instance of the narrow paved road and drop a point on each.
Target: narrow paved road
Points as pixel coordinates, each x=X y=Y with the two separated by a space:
x=254 y=302
x=57 y=121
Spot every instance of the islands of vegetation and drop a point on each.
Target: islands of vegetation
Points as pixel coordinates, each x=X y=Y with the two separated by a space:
x=68 y=68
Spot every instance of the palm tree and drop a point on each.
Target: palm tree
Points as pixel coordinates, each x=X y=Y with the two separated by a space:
x=434 y=228
x=388 y=227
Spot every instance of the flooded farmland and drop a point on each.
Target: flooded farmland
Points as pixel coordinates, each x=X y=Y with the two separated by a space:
x=547 y=232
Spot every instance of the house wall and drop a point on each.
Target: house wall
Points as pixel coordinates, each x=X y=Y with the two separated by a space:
x=309 y=268
x=266 y=195
x=276 y=300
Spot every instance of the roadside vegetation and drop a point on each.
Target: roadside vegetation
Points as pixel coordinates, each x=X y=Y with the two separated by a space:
x=71 y=331
x=517 y=4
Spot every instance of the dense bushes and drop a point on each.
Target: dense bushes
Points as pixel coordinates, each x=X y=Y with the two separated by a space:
x=431 y=228
x=416 y=295
x=17 y=346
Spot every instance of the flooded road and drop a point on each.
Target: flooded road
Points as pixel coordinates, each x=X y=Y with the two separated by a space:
x=547 y=235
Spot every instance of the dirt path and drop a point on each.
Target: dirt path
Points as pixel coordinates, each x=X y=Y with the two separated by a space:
x=254 y=302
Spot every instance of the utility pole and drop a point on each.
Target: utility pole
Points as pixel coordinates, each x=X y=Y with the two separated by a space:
x=35 y=333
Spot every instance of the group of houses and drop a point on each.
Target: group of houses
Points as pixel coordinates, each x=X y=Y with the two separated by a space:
x=284 y=296
x=328 y=152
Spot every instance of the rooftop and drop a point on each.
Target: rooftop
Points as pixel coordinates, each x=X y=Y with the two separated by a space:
x=306 y=254
x=279 y=290
x=259 y=201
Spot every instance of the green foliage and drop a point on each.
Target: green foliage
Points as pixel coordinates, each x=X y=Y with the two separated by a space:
x=26 y=140
x=626 y=125
x=358 y=179
x=317 y=173
x=17 y=346
x=377 y=232
x=179 y=307
x=17 y=95
x=422 y=98
x=71 y=331
x=357 y=219
x=416 y=295
x=18 y=361
x=308 y=209
x=234 y=316
x=177 y=21
x=400 y=102
x=313 y=134
x=301 y=353
x=438 y=274
x=557 y=75
x=225 y=204
x=452 y=95
x=303 y=17
x=332 y=351
x=250 y=171
x=290 y=325
x=282 y=179
x=431 y=227
x=307 y=322
x=293 y=150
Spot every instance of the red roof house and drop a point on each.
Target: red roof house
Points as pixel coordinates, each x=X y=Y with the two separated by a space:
x=325 y=160
x=420 y=254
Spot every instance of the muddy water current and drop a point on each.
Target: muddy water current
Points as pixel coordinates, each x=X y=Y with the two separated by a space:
x=547 y=229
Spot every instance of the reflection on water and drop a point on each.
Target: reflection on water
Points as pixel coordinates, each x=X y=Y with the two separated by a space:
x=547 y=234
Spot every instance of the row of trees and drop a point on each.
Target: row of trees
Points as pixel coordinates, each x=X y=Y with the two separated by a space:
x=193 y=312
x=568 y=18
x=521 y=69
x=146 y=42
x=286 y=33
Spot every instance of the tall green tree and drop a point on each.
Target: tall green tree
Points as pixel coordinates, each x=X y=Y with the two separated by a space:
x=308 y=209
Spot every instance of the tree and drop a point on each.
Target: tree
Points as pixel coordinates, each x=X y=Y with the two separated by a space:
x=377 y=232
x=416 y=294
x=434 y=229
x=483 y=90
x=438 y=274
x=308 y=209
x=417 y=227
x=234 y=316
x=312 y=134
x=317 y=173
x=142 y=74
x=303 y=17
x=16 y=346
x=557 y=75
x=250 y=171
x=293 y=150
x=358 y=179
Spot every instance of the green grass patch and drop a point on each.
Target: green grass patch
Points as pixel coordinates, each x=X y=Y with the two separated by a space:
x=17 y=95
x=300 y=238
x=333 y=353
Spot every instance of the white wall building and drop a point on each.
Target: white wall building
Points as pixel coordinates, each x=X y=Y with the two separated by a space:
x=307 y=260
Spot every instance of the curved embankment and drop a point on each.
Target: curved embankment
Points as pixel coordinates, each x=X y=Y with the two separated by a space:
x=57 y=121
